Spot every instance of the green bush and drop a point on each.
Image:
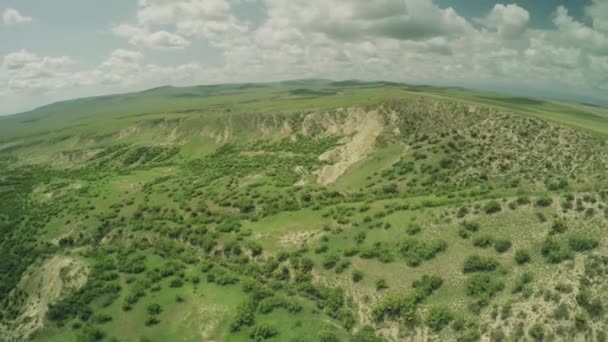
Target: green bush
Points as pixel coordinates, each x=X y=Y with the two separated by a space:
x=582 y=243
x=558 y=227
x=522 y=256
x=381 y=284
x=471 y=226
x=405 y=307
x=476 y=263
x=484 y=285
x=328 y=335
x=537 y=332
x=438 y=317
x=492 y=207
x=262 y=331
x=483 y=241
x=555 y=251
x=154 y=309
x=357 y=276
x=544 y=202
x=366 y=334
x=502 y=245
x=415 y=251
x=413 y=229
x=244 y=316
x=426 y=285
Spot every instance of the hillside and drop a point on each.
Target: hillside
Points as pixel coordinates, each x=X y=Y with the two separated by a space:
x=304 y=211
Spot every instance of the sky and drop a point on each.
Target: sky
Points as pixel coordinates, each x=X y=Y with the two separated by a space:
x=64 y=49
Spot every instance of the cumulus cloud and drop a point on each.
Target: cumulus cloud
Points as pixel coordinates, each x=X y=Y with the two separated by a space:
x=510 y=21
x=11 y=16
x=598 y=12
x=361 y=20
x=578 y=34
x=141 y=37
x=398 y=40
x=28 y=71
x=204 y=19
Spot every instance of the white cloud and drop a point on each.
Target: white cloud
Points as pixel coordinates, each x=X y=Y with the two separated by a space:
x=598 y=11
x=398 y=40
x=206 y=19
x=11 y=16
x=361 y=20
x=19 y=59
x=157 y=40
x=578 y=34
x=510 y=21
x=27 y=71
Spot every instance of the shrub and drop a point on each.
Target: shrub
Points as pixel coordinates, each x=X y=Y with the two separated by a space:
x=176 y=282
x=537 y=332
x=404 y=307
x=360 y=237
x=558 y=227
x=267 y=305
x=492 y=207
x=581 y=243
x=357 y=276
x=101 y=318
x=154 y=309
x=245 y=315
x=484 y=286
x=483 y=241
x=476 y=263
x=544 y=202
x=328 y=335
x=330 y=261
x=562 y=312
x=263 y=331
x=426 y=285
x=522 y=256
x=522 y=281
x=438 y=318
x=151 y=320
x=413 y=229
x=415 y=251
x=366 y=334
x=394 y=307
x=555 y=251
x=381 y=284
x=471 y=226
x=502 y=245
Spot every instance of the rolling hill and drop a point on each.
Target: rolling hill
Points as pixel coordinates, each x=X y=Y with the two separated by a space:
x=307 y=210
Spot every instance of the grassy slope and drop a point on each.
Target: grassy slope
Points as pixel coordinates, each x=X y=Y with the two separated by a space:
x=57 y=128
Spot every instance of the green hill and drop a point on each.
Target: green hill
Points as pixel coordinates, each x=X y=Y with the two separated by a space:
x=307 y=210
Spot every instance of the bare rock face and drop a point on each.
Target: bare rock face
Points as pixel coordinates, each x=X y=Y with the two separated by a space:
x=361 y=129
x=40 y=287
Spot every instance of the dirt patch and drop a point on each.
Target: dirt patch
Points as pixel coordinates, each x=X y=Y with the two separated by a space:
x=363 y=128
x=298 y=238
x=301 y=171
x=42 y=285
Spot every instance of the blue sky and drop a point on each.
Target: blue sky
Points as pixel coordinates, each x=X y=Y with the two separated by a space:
x=62 y=49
